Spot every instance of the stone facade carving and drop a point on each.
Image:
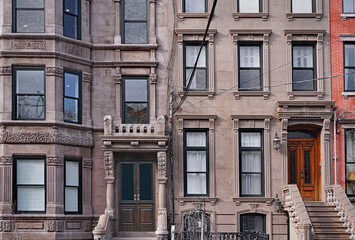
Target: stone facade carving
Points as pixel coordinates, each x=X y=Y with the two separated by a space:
x=55 y=161
x=162 y=211
x=5 y=71
x=108 y=157
x=87 y=163
x=5 y=226
x=87 y=77
x=41 y=45
x=162 y=164
x=54 y=71
x=71 y=49
x=55 y=226
x=5 y=160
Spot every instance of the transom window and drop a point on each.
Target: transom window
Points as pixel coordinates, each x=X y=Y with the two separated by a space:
x=350 y=161
x=251 y=163
x=28 y=16
x=303 y=64
x=135 y=29
x=71 y=18
x=72 y=186
x=194 y=6
x=196 y=163
x=303 y=6
x=249 y=6
x=253 y=222
x=349 y=67
x=72 y=96
x=250 y=75
x=135 y=100
x=199 y=81
x=29 y=94
x=348 y=6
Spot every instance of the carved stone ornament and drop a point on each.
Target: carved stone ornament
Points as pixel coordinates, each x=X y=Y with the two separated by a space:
x=162 y=164
x=5 y=160
x=41 y=45
x=109 y=212
x=54 y=71
x=55 y=226
x=5 y=71
x=87 y=77
x=162 y=211
x=5 y=226
x=108 y=157
x=51 y=226
x=55 y=161
x=72 y=49
x=87 y=163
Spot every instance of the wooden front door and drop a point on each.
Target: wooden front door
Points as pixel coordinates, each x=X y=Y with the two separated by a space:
x=136 y=200
x=304 y=169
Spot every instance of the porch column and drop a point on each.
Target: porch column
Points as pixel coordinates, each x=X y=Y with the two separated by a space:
x=162 y=231
x=110 y=178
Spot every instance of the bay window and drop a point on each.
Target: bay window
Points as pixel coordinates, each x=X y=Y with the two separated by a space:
x=28 y=16
x=135 y=21
x=72 y=96
x=72 y=186
x=71 y=18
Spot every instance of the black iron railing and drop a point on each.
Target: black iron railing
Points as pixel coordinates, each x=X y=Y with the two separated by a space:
x=224 y=236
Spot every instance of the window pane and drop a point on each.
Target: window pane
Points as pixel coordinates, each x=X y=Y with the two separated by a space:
x=136 y=90
x=251 y=161
x=30 y=3
x=302 y=80
x=199 y=81
x=71 y=85
x=30 y=171
x=30 y=21
x=28 y=81
x=350 y=182
x=136 y=113
x=71 y=110
x=191 y=56
x=72 y=173
x=251 y=184
x=127 y=182
x=249 y=56
x=302 y=6
x=196 y=161
x=70 y=26
x=71 y=199
x=349 y=55
x=249 y=6
x=303 y=56
x=350 y=146
x=349 y=79
x=30 y=198
x=250 y=79
x=30 y=107
x=195 y=6
x=348 y=6
x=71 y=6
x=251 y=139
x=253 y=222
x=135 y=10
x=196 y=139
x=135 y=32
x=196 y=183
x=145 y=181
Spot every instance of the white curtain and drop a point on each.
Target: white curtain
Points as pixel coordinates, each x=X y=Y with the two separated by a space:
x=196 y=183
x=251 y=161
x=191 y=56
x=248 y=6
x=350 y=146
x=72 y=173
x=249 y=56
x=30 y=198
x=196 y=139
x=302 y=6
x=195 y=6
x=303 y=56
x=251 y=184
x=30 y=171
x=251 y=139
x=196 y=161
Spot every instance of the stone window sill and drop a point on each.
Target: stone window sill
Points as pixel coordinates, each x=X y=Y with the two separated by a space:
x=291 y=16
x=292 y=94
x=264 y=94
x=181 y=16
x=240 y=200
x=344 y=16
x=210 y=94
x=347 y=94
x=184 y=200
x=236 y=16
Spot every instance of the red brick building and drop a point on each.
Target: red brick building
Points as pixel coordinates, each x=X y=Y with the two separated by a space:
x=342 y=30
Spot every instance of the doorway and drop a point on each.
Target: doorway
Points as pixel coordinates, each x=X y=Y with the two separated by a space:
x=136 y=198
x=304 y=163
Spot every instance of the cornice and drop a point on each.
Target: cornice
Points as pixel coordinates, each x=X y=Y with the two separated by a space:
x=48 y=124
x=194 y=31
x=251 y=117
x=304 y=31
x=250 y=31
x=196 y=117
x=346 y=120
x=305 y=103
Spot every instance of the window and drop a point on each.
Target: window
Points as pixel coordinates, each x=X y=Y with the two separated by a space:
x=29 y=95
x=349 y=67
x=350 y=161
x=249 y=6
x=199 y=81
x=72 y=97
x=250 y=75
x=348 y=6
x=28 y=16
x=195 y=6
x=72 y=186
x=252 y=222
x=303 y=6
x=135 y=104
x=196 y=163
x=71 y=18
x=303 y=67
x=135 y=21
x=30 y=189
x=251 y=163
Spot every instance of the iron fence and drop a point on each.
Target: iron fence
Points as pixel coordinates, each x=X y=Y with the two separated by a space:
x=224 y=236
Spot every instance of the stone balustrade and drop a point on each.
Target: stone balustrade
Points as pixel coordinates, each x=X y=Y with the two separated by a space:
x=102 y=229
x=337 y=197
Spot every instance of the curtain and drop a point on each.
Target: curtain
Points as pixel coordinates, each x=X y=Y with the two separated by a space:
x=303 y=56
x=249 y=56
x=196 y=183
x=72 y=173
x=196 y=139
x=251 y=139
x=71 y=199
x=248 y=6
x=195 y=6
x=30 y=171
x=30 y=198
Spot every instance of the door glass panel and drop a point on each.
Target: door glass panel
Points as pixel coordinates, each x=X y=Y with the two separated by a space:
x=145 y=176
x=307 y=166
x=292 y=157
x=301 y=134
x=127 y=182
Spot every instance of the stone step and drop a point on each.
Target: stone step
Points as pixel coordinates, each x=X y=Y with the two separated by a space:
x=324 y=219
x=322 y=213
x=328 y=224
x=314 y=203
x=332 y=228
x=333 y=235
x=135 y=236
x=320 y=208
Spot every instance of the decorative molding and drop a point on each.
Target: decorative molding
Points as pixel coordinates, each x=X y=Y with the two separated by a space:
x=250 y=31
x=5 y=160
x=54 y=71
x=196 y=117
x=5 y=71
x=304 y=32
x=72 y=49
x=251 y=117
x=196 y=200
x=253 y=200
x=87 y=226
x=5 y=226
x=87 y=77
x=41 y=45
x=162 y=165
x=55 y=226
x=237 y=15
x=193 y=31
x=109 y=168
x=162 y=211
x=87 y=163
x=56 y=161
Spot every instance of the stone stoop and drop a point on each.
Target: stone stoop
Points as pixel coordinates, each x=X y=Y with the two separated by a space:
x=135 y=236
x=325 y=222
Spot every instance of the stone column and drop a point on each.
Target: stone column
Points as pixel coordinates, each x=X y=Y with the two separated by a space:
x=6 y=185
x=118 y=22
x=284 y=126
x=87 y=168
x=152 y=36
x=55 y=182
x=110 y=178
x=162 y=232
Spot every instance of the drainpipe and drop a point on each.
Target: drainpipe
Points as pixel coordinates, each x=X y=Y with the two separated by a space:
x=335 y=145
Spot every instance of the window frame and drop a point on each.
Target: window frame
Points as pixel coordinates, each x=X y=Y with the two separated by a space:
x=80 y=187
x=78 y=17
x=15 y=94
x=314 y=7
x=314 y=68
x=14 y=16
x=345 y=67
x=136 y=21
x=261 y=149
x=252 y=214
x=79 y=99
x=123 y=93
x=184 y=6
x=195 y=43
x=15 y=185
x=261 y=81
x=206 y=149
x=346 y=161
x=260 y=6
x=343 y=9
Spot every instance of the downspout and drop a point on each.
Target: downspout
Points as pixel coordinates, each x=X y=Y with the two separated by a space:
x=335 y=145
